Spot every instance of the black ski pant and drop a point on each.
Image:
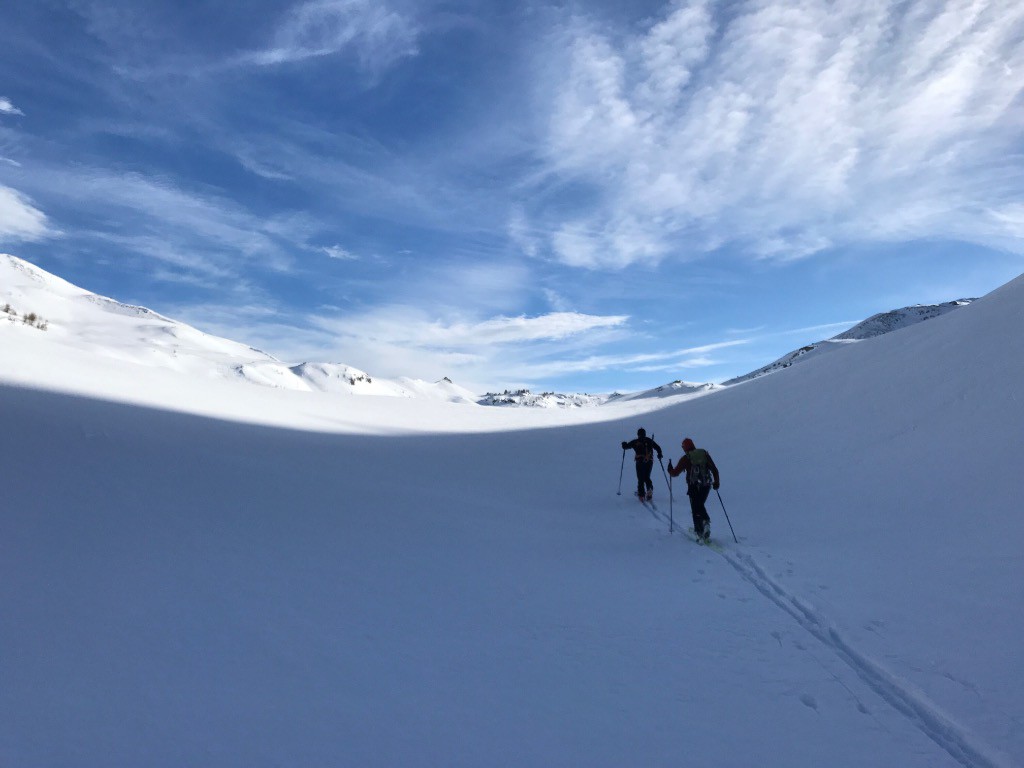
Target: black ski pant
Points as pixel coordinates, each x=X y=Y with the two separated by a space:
x=698 y=495
x=643 y=477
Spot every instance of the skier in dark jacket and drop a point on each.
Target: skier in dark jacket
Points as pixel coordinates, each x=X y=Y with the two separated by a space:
x=701 y=476
x=644 y=448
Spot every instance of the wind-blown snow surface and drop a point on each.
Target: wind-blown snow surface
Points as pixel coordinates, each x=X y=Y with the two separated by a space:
x=181 y=590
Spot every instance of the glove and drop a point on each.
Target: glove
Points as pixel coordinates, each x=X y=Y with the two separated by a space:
x=659 y=457
x=715 y=486
x=625 y=445
x=670 y=465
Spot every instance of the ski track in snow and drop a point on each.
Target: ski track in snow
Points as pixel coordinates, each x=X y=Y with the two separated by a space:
x=913 y=705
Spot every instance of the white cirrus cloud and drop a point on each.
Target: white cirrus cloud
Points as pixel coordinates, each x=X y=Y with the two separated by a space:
x=552 y=326
x=7 y=108
x=406 y=326
x=375 y=33
x=1011 y=219
x=20 y=220
x=784 y=128
x=403 y=340
x=481 y=354
x=645 y=361
x=199 y=232
x=339 y=253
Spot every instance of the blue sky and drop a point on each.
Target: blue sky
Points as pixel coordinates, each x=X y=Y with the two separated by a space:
x=571 y=196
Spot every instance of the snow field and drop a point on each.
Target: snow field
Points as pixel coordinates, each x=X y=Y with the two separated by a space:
x=401 y=585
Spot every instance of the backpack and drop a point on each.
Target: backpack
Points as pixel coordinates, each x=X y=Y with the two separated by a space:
x=699 y=471
x=644 y=449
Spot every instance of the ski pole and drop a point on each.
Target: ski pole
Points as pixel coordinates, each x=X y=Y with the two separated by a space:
x=668 y=482
x=726 y=516
x=671 y=515
x=662 y=464
x=665 y=475
x=623 y=466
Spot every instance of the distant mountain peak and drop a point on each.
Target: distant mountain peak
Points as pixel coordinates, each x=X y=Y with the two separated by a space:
x=876 y=325
x=526 y=398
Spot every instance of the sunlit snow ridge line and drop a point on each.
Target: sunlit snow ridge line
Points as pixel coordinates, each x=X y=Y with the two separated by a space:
x=914 y=705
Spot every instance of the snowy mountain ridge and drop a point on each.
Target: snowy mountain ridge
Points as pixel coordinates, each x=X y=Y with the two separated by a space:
x=672 y=389
x=524 y=398
x=876 y=325
x=886 y=322
x=110 y=328
x=527 y=399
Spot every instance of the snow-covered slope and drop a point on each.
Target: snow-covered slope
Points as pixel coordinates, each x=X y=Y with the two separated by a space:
x=876 y=325
x=106 y=328
x=179 y=590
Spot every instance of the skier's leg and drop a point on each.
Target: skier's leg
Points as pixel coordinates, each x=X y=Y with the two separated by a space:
x=695 y=507
x=705 y=519
x=640 y=489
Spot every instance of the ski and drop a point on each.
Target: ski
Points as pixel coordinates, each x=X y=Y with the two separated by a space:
x=649 y=506
x=710 y=543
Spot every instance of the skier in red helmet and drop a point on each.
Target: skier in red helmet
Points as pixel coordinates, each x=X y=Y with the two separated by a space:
x=701 y=476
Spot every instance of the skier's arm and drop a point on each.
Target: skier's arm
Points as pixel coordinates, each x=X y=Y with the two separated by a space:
x=657 y=448
x=714 y=472
x=679 y=468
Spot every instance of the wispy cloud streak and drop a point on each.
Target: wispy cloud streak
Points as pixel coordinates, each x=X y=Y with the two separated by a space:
x=377 y=35
x=410 y=327
x=7 y=108
x=20 y=220
x=786 y=128
x=191 y=232
x=518 y=350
